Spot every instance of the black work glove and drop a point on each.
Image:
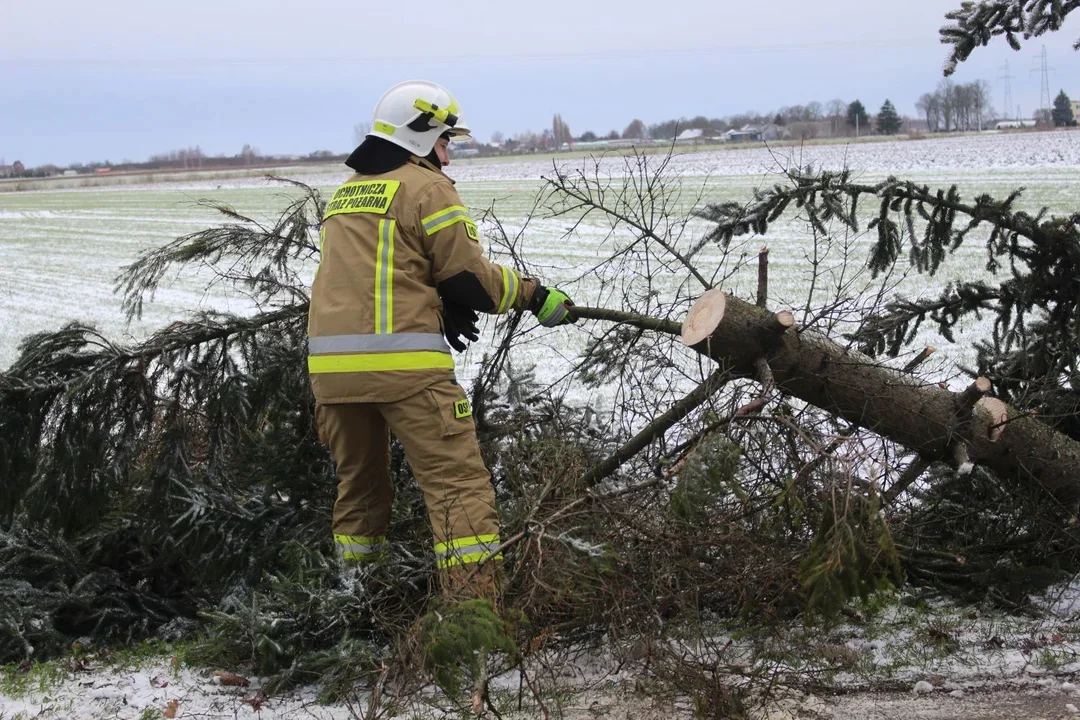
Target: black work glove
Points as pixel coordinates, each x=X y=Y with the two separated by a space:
x=459 y=321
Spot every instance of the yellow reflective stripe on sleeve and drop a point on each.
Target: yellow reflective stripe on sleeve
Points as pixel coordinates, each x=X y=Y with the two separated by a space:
x=377 y=362
x=384 y=279
x=362 y=197
x=511 y=285
x=445 y=218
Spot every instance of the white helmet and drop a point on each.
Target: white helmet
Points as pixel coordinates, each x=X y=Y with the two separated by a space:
x=413 y=114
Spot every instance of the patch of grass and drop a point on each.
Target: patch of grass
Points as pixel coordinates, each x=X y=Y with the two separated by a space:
x=143 y=653
x=940 y=634
x=22 y=681
x=874 y=605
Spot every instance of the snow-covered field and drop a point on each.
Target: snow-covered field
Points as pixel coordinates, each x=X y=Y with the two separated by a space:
x=60 y=250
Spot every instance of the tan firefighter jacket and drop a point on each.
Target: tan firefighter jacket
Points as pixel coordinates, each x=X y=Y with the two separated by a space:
x=375 y=321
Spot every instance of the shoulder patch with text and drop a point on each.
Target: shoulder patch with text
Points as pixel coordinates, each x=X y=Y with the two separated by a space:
x=362 y=197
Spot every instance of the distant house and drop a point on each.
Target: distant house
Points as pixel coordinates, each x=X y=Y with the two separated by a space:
x=758 y=133
x=693 y=136
x=747 y=133
x=1075 y=108
x=6 y=170
x=69 y=173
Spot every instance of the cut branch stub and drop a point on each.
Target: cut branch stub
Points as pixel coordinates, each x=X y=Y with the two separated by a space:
x=961 y=459
x=782 y=322
x=995 y=414
x=920 y=359
x=966 y=400
x=704 y=317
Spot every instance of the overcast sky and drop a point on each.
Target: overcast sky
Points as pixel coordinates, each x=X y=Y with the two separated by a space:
x=123 y=79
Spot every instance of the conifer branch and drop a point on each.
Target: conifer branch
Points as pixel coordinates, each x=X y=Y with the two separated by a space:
x=975 y=24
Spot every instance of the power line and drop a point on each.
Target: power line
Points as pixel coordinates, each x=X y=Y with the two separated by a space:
x=602 y=54
x=1045 y=103
x=1008 y=78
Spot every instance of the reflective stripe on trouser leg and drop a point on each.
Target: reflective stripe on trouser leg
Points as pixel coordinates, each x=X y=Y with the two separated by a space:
x=360 y=445
x=465 y=550
x=445 y=458
x=360 y=548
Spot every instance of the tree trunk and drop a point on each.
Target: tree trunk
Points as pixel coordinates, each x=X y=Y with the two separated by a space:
x=925 y=418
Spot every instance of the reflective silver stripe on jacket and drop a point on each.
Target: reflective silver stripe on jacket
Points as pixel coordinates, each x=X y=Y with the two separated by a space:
x=443 y=219
x=396 y=342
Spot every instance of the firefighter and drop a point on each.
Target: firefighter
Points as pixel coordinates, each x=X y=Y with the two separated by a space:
x=401 y=277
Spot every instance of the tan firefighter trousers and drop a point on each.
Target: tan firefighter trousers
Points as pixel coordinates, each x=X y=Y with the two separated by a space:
x=436 y=429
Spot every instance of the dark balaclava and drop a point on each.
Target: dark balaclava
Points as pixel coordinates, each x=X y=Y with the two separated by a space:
x=375 y=156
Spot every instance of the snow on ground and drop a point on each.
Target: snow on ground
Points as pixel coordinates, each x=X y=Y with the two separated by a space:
x=907 y=660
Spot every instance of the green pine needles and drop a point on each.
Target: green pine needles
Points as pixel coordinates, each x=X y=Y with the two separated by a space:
x=975 y=24
x=458 y=639
x=1034 y=305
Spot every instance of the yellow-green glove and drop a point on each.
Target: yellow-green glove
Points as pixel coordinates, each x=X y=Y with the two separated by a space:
x=552 y=307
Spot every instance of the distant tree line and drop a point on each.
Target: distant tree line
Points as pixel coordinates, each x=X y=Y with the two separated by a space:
x=183 y=159
x=836 y=118
x=957 y=106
